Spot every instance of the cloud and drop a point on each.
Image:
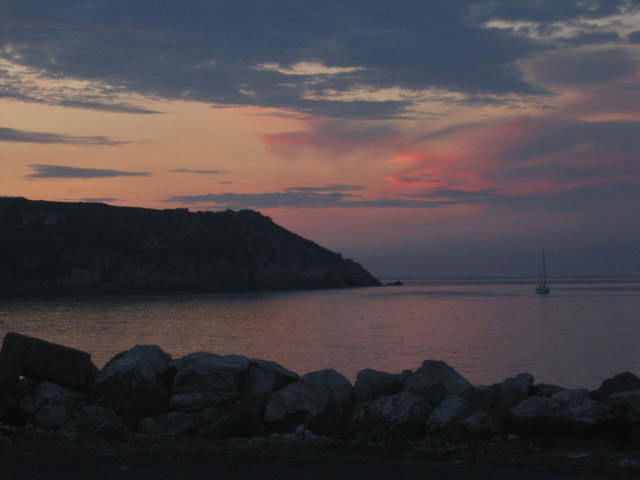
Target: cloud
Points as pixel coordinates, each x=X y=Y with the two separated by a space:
x=453 y=193
x=106 y=107
x=24 y=136
x=32 y=86
x=590 y=201
x=513 y=159
x=203 y=172
x=337 y=136
x=213 y=51
x=334 y=199
x=451 y=130
x=264 y=200
x=568 y=151
x=326 y=188
x=60 y=171
x=549 y=11
x=584 y=67
x=592 y=38
x=98 y=199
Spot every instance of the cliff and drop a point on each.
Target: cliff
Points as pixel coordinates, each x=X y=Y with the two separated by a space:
x=70 y=248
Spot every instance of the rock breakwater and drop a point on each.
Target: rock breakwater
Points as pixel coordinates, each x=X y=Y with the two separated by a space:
x=145 y=392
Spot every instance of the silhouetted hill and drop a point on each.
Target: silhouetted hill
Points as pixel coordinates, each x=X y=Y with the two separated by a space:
x=69 y=248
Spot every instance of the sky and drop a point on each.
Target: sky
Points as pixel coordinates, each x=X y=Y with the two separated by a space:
x=420 y=137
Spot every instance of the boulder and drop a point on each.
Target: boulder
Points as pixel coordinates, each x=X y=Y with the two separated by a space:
x=95 y=421
x=49 y=406
x=626 y=405
x=262 y=379
x=634 y=436
x=373 y=384
x=623 y=382
x=482 y=397
x=450 y=410
x=168 y=425
x=513 y=391
x=135 y=383
x=478 y=424
x=567 y=413
x=321 y=400
x=434 y=380
x=8 y=394
x=14 y=416
x=546 y=390
x=205 y=379
x=402 y=415
x=203 y=419
x=404 y=376
x=236 y=421
x=45 y=361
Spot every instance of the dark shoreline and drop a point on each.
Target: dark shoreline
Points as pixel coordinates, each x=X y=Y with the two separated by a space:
x=37 y=455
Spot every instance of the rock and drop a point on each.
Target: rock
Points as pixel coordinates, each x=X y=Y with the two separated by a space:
x=626 y=405
x=450 y=410
x=261 y=380
x=404 y=376
x=45 y=361
x=631 y=464
x=434 y=380
x=396 y=283
x=8 y=394
x=14 y=416
x=567 y=413
x=321 y=400
x=634 y=436
x=482 y=397
x=513 y=390
x=95 y=420
x=236 y=421
x=168 y=425
x=135 y=383
x=205 y=379
x=373 y=384
x=478 y=424
x=205 y=418
x=546 y=390
x=623 y=382
x=49 y=406
x=402 y=415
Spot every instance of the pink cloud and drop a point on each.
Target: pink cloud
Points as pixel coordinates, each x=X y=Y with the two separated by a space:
x=336 y=135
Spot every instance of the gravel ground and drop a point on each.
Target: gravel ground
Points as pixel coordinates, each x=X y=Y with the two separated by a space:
x=186 y=459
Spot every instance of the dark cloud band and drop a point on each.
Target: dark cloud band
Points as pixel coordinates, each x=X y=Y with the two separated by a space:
x=23 y=136
x=61 y=171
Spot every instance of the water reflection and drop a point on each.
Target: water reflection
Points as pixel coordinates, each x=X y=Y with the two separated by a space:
x=487 y=331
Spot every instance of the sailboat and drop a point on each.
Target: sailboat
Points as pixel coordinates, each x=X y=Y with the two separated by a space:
x=542 y=288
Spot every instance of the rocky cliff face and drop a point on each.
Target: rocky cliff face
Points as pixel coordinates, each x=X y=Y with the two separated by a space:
x=58 y=248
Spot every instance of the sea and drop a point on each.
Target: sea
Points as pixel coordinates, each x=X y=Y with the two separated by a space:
x=586 y=330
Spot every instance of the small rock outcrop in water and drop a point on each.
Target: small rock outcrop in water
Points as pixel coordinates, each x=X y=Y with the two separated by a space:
x=143 y=392
x=63 y=248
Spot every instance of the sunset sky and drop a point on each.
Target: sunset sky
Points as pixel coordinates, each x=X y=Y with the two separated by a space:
x=419 y=137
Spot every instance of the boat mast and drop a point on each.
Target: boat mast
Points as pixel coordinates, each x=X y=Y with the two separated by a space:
x=544 y=271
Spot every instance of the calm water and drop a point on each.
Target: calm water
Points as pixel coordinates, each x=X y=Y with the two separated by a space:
x=585 y=331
